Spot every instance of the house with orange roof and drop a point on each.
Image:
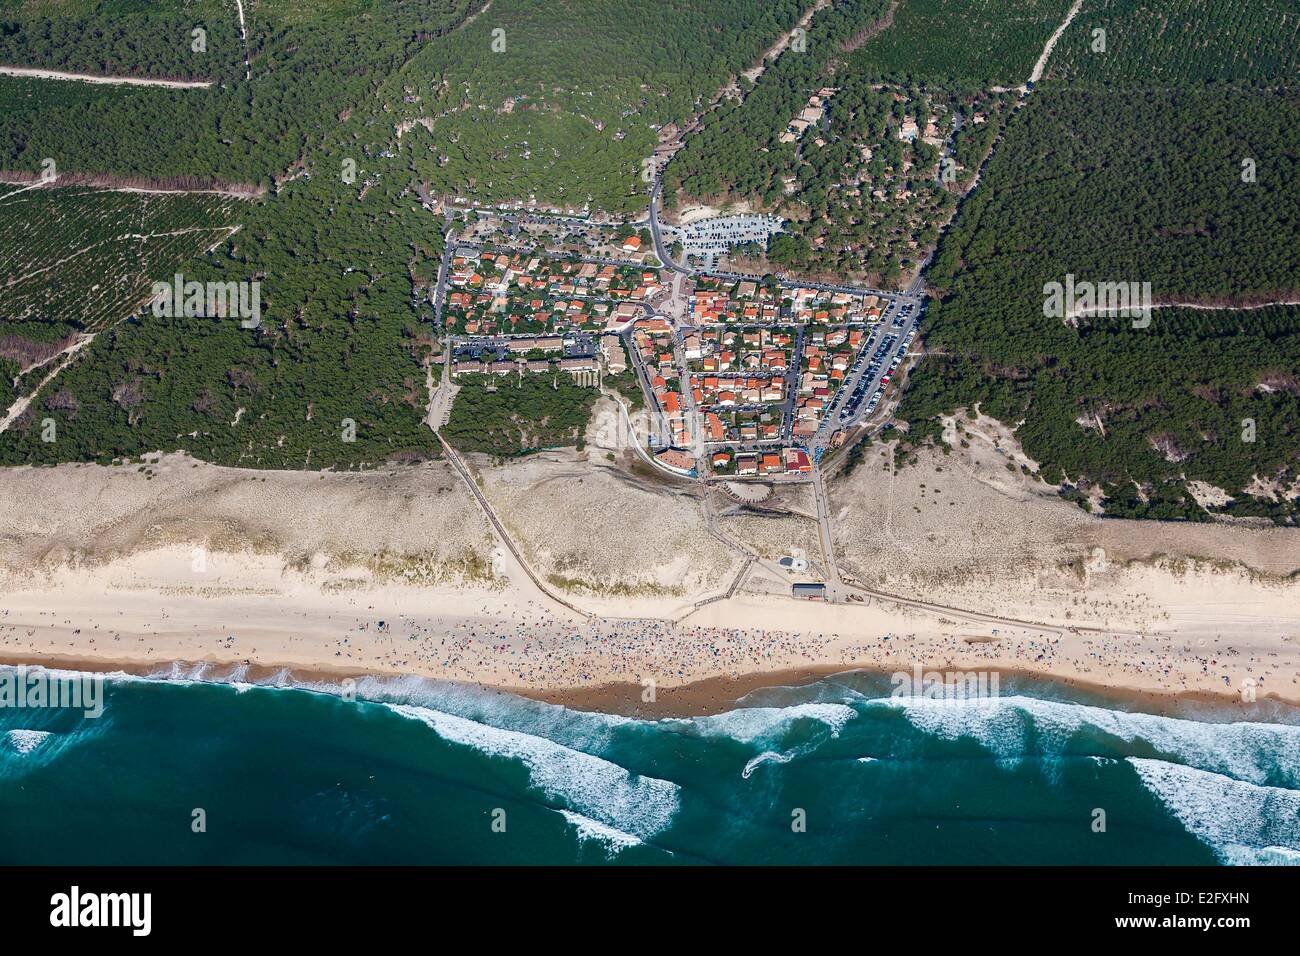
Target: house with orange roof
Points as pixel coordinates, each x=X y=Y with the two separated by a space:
x=713 y=427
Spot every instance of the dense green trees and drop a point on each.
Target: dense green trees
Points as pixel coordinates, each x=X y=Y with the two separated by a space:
x=125 y=38
x=509 y=415
x=737 y=150
x=534 y=97
x=8 y=370
x=343 y=338
x=560 y=101
x=237 y=132
x=1112 y=187
x=862 y=201
x=80 y=258
x=1177 y=42
x=962 y=42
x=1153 y=188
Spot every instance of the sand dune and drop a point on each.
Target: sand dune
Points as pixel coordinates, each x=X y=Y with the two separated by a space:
x=393 y=572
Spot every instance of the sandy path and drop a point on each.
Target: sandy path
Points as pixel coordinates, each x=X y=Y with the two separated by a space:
x=776 y=49
x=1200 y=306
x=1037 y=72
x=515 y=563
x=474 y=16
x=66 y=356
x=39 y=74
x=243 y=34
x=102 y=184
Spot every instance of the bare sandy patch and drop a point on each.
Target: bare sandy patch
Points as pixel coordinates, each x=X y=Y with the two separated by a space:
x=89 y=514
x=603 y=532
x=965 y=530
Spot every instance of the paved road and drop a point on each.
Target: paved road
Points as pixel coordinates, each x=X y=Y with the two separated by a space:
x=917 y=288
x=660 y=250
x=694 y=427
x=647 y=390
x=440 y=290
x=833 y=582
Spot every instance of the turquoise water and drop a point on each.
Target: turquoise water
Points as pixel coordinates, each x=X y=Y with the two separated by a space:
x=420 y=772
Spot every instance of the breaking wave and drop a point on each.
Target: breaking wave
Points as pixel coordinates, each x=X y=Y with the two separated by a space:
x=591 y=785
x=587 y=829
x=25 y=741
x=1243 y=823
x=1011 y=727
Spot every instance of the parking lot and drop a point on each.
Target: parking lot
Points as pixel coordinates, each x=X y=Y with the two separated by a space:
x=874 y=368
x=714 y=237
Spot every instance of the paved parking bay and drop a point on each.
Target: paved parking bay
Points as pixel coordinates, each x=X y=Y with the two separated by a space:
x=714 y=237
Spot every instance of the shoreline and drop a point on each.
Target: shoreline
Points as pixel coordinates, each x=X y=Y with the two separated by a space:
x=398 y=574
x=702 y=698
x=141 y=612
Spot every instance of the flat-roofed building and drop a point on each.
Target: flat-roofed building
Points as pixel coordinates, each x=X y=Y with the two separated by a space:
x=677 y=460
x=541 y=343
x=611 y=347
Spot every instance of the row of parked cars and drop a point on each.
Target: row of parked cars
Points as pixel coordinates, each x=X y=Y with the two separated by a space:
x=904 y=314
x=719 y=235
x=878 y=358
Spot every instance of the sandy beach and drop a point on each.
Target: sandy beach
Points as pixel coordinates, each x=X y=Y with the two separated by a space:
x=398 y=572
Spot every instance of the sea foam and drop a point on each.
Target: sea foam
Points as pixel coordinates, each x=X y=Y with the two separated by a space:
x=25 y=741
x=614 y=840
x=754 y=724
x=1243 y=823
x=767 y=725
x=590 y=785
x=1256 y=752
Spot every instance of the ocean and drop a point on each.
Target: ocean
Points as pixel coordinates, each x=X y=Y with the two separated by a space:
x=180 y=769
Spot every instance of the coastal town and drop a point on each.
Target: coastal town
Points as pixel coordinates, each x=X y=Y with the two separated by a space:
x=501 y=433
x=744 y=376
x=741 y=377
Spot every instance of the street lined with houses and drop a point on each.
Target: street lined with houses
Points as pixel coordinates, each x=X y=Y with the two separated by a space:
x=744 y=377
x=747 y=376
